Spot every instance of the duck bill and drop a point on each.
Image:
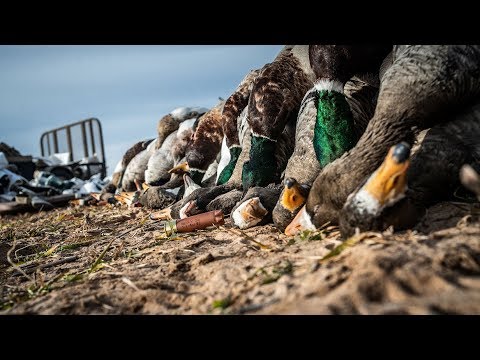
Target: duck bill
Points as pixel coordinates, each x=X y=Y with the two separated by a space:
x=180 y=169
x=301 y=222
x=390 y=180
x=292 y=197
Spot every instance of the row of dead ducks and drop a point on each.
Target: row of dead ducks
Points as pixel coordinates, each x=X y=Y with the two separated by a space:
x=361 y=136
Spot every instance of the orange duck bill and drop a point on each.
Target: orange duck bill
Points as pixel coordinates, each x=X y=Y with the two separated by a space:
x=180 y=169
x=389 y=183
x=384 y=187
x=294 y=195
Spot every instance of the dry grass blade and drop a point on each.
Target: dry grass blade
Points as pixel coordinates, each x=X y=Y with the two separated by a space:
x=321 y=233
x=96 y=196
x=351 y=242
x=55 y=279
x=15 y=266
x=246 y=236
x=31 y=268
x=130 y=283
x=22 y=248
x=51 y=250
x=100 y=257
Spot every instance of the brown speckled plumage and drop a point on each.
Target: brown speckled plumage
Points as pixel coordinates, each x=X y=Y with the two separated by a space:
x=134 y=150
x=278 y=91
x=274 y=100
x=234 y=106
x=180 y=145
x=207 y=140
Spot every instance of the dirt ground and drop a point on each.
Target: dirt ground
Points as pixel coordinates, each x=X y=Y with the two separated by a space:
x=111 y=260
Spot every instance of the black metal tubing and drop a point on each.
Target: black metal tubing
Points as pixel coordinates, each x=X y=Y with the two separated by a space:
x=92 y=139
x=67 y=128
x=69 y=141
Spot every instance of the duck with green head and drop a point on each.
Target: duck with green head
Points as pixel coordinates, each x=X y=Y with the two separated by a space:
x=226 y=196
x=360 y=94
x=233 y=120
x=423 y=83
x=326 y=127
x=274 y=100
x=274 y=93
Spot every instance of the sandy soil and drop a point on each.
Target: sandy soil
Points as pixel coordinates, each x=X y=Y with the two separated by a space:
x=105 y=260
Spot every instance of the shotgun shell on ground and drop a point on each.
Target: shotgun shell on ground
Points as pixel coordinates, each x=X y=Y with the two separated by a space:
x=200 y=221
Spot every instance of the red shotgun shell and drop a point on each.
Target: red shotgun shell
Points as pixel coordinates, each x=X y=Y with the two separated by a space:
x=200 y=221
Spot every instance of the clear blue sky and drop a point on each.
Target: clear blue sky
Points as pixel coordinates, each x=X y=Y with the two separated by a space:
x=129 y=88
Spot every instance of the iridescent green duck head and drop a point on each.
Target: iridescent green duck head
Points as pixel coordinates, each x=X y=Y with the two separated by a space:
x=334 y=127
x=261 y=168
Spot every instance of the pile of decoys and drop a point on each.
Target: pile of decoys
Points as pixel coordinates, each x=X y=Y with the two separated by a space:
x=44 y=191
x=364 y=137
x=29 y=184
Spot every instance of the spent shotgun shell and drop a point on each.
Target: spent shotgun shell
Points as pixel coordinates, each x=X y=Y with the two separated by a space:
x=192 y=223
